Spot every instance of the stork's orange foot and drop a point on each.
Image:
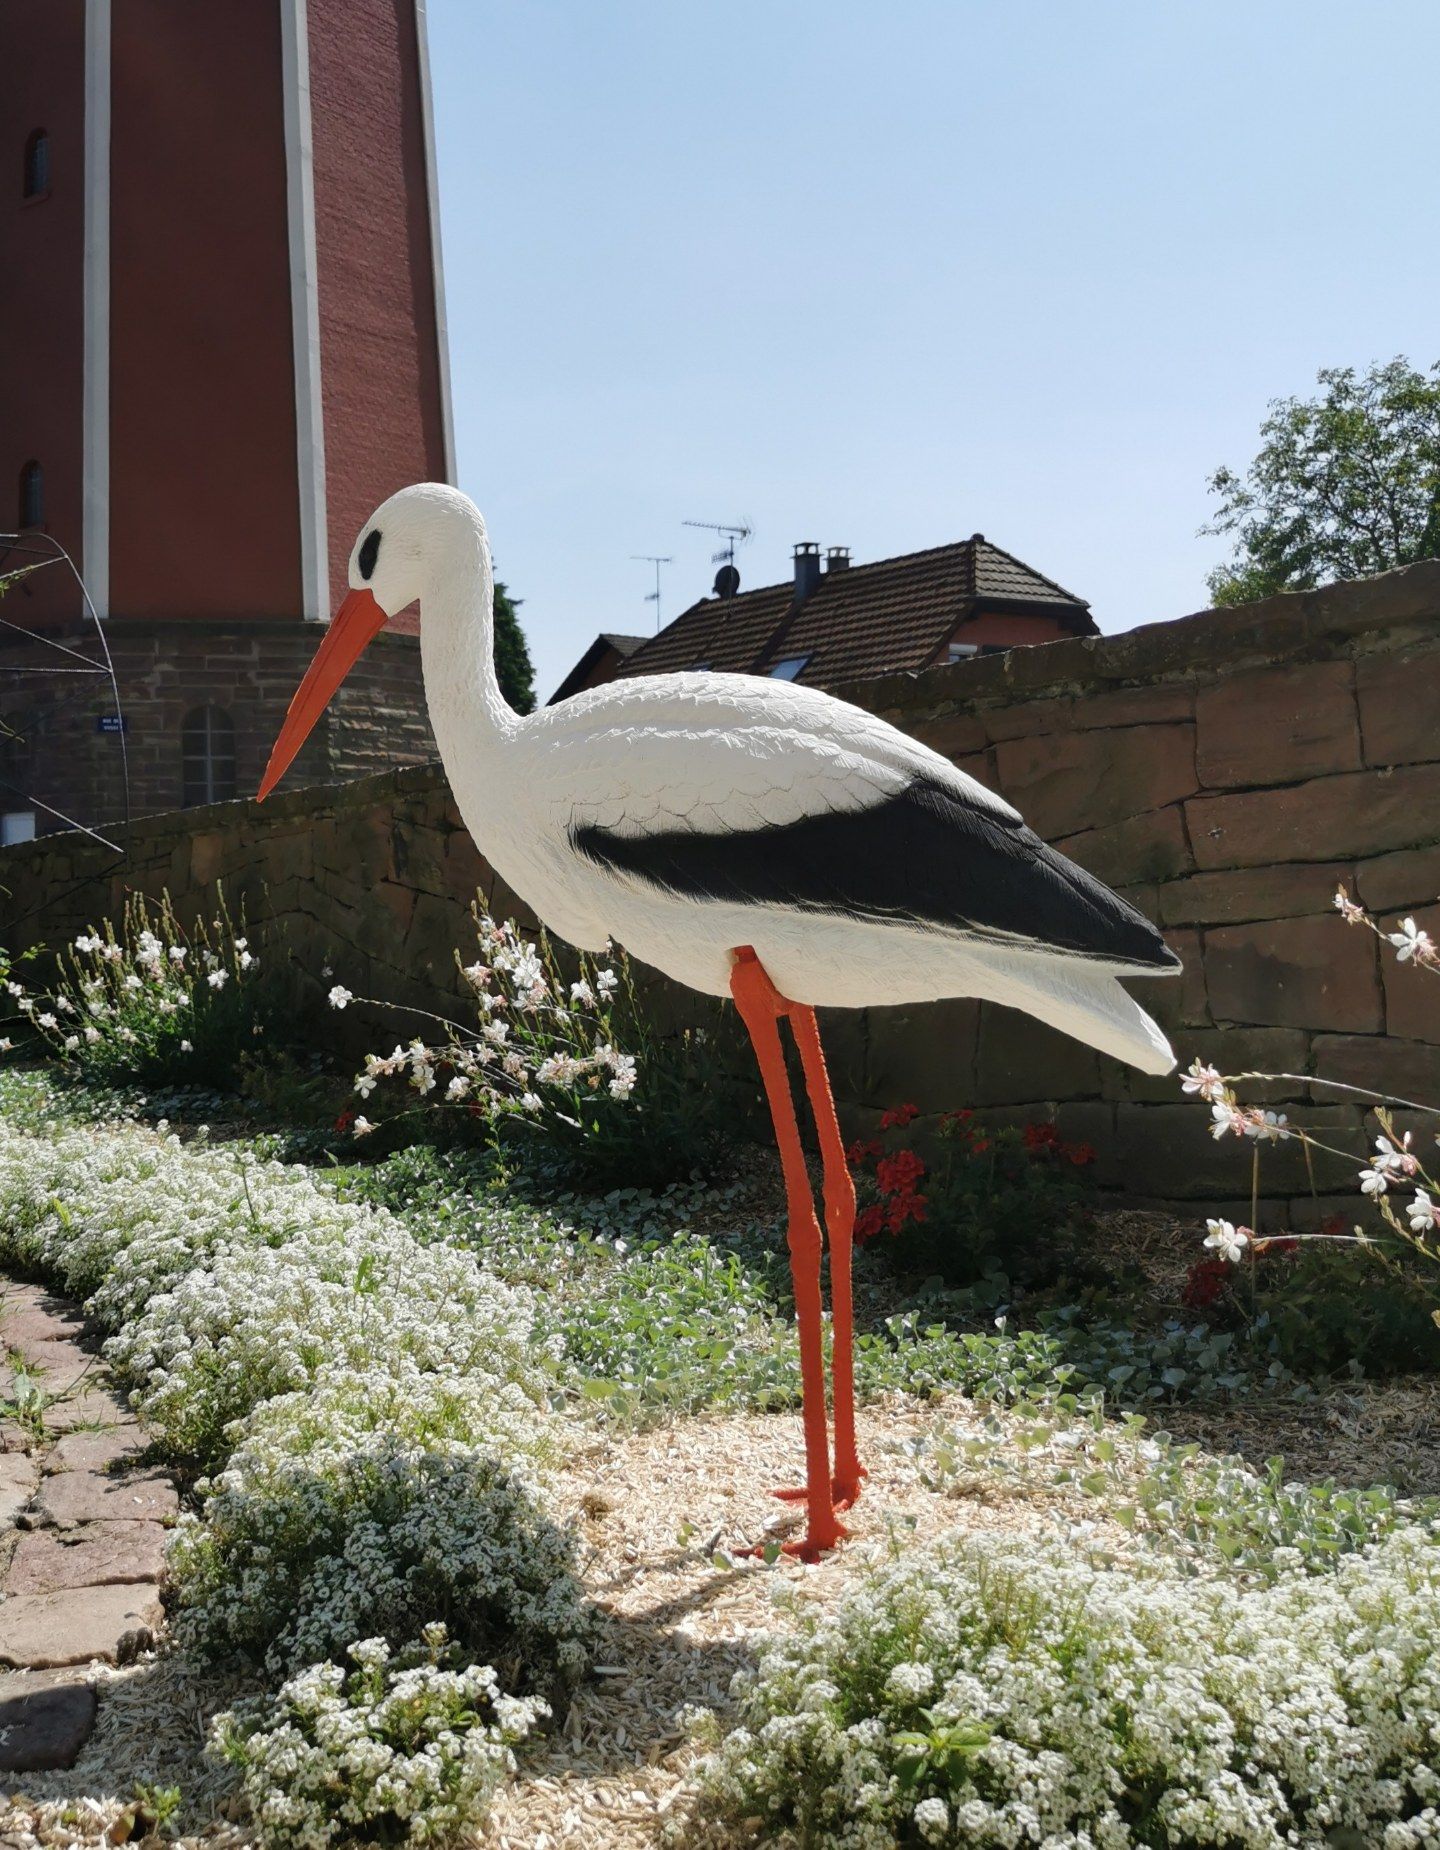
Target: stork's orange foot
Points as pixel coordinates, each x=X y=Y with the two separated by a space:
x=823 y=1535
x=844 y=1491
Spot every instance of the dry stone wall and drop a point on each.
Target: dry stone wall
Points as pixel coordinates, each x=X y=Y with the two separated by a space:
x=1225 y=771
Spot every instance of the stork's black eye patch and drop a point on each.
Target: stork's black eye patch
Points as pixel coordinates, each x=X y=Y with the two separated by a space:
x=369 y=552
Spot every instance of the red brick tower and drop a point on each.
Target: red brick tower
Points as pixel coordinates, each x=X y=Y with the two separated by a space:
x=222 y=341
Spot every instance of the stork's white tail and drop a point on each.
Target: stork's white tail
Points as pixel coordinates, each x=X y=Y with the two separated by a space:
x=1080 y=999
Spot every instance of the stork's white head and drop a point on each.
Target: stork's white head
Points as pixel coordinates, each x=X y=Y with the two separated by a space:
x=409 y=539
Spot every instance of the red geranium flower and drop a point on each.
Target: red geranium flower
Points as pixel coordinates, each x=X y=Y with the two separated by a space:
x=1040 y=1136
x=345 y=1120
x=897 y=1174
x=1078 y=1153
x=868 y=1223
x=898 y=1115
x=859 y=1152
x=1207 y=1281
x=905 y=1208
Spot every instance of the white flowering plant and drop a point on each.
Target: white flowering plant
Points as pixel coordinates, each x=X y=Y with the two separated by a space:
x=1001 y=1690
x=154 y=1002
x=557 y=1055
x=361 y=1508
x=395 y=1748
x=376 y=1407
x=1398 y=1184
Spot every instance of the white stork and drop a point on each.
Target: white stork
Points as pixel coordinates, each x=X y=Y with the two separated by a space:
x=750 y=838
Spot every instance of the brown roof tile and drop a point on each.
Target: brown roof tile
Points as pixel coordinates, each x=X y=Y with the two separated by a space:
x=888 y=617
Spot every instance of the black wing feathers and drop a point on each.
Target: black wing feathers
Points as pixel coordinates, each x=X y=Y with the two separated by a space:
x=925 y=856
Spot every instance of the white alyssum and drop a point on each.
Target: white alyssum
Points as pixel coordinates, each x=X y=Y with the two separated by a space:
x=394 y=1747
x=1080 y=1703
x=369 y=1502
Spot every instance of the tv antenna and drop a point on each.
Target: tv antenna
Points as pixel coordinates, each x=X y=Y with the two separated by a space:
x=657 y=560
x=733 y=533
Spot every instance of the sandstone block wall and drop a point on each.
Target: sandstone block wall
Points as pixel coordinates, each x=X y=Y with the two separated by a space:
x=1226 y=772
x=51 y=749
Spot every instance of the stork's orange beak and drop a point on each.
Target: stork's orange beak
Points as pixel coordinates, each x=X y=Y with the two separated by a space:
x=354 y=624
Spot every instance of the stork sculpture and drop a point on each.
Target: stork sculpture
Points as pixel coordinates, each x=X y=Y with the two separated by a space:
x=750 y=838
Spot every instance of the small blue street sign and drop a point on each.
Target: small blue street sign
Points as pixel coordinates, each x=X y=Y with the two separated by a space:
x=111 y=722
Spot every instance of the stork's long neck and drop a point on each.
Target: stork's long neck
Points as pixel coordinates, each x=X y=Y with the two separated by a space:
x=469 y=714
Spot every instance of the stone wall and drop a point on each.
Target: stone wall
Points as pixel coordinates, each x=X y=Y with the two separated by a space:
x=51 y=748
x=1226 y=771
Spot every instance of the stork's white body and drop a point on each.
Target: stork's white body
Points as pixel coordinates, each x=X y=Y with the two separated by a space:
x=746 y=771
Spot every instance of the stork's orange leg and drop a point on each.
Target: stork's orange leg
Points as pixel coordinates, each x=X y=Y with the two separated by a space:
x=761 y=1006
x=840 y=1233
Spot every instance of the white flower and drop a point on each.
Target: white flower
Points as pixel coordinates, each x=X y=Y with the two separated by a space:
x=217 y=979
x=1267 y=1124
x=72 y=1041
x=932 y=1820
x=457 y=1087
x=362 y=1127
x=131 y=982
x=1205 y=1080
x=185 y=1046
x=1226 y=1120
x=606 y=982
x=177 y=953
x=1424 y=1213
x=1227 y=1240
x=529 y=1101
x=1346 y=907
x=5 y=1043
x=246 y=961
x=47 y=1020
x=1373 y=1182
x=1410 y=941
x=340 y=996
x=582 y=993
x=87 y=944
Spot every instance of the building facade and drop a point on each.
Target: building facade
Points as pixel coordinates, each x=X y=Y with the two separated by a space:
x=222 y=342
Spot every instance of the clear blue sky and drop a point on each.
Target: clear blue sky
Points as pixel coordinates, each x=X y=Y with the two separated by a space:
x=883 y=275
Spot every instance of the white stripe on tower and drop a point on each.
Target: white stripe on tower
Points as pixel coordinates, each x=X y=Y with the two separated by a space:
x=95 y=416
x=305 y=310
x=432 y=201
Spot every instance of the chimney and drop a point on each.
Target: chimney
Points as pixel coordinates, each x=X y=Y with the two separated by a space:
x=807 y=569
x=837 y=558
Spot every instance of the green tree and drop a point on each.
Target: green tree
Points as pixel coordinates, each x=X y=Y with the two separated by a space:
x=512 y=653
x=1345 y=484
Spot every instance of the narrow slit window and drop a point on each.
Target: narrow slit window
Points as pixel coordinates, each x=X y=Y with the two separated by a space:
x=208 y=756
x=37 y=165
x=32 y=496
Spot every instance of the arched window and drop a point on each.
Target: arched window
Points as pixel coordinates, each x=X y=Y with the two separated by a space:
x=207 y=747
x=32 y=496
x=37 y=165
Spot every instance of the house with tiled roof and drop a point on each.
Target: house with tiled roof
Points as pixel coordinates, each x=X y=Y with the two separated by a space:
x=601 y=662
x=835 y=621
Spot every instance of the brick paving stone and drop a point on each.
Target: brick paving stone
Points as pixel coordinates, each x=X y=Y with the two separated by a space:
x=33 y=1326
x=91 y=1405
x=96 y=1554
x=45 y=1719
x=41 y=1631
x=89 y=1450
x=61 y=1365
x=19 y=1474
x=71 y=1497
